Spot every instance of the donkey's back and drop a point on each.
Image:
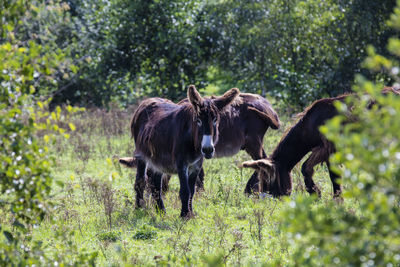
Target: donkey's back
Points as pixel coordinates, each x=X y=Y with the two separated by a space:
x=244 y=124
x=159 y=127
x=146 y=111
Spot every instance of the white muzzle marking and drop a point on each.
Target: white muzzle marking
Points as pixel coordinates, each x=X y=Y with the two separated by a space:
x=207 y=141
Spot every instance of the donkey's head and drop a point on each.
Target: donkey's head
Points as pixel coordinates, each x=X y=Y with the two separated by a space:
x=206 y=117
x=265 y=167
x=266 y=171
x=272 y=174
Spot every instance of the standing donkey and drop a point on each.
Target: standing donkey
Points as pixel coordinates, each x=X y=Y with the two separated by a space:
x=172 y=138
x=242 y=127
x=302 y=138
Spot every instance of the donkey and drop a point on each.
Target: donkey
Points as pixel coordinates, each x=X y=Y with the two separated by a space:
x=172 y=138
x=242 y=127
x=302 y=138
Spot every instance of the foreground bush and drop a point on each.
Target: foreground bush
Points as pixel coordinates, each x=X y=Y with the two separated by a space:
x=26 y=126
x=365 y=230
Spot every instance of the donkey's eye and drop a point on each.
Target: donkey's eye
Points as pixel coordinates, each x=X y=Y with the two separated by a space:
x=199 y=122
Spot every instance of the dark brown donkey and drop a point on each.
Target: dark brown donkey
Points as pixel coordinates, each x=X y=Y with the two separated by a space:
x=242 y=127
x=302 y=138
x=172 y=138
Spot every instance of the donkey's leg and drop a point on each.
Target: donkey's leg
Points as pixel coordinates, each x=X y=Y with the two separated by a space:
x=184 y=191
x=200 y=180
x=165 y=183
x=155 y=183
x=337 y=188
x=317 y=156
x=256 y=151
x=140 y=182
x=192 y=187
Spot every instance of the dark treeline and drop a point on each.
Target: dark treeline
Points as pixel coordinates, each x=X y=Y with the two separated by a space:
x=296 y=51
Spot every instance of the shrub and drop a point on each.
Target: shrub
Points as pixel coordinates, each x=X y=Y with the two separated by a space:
x=364 y=232
x=145 y=233
x=110 y=236
x=26 y=127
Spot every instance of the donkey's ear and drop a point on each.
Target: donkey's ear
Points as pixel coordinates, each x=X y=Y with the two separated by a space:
x=194 y=97
x=128 y=162
x=265 y=165
x=260 y=164
x=226 y=99
x=250 y=164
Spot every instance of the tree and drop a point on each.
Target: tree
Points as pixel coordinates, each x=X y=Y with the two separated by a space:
x=295 y=50
x=136 y=48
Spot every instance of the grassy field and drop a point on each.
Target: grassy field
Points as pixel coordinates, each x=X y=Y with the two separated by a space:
x=94 y=198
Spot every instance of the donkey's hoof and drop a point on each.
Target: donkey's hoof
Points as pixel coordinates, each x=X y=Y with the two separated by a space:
x=338 y=199
x=140 y=204
x=314 y=191
x=317 y=191
x=187 y=215
x=200 y=188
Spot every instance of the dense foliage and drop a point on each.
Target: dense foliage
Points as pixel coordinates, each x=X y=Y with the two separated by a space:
x=294 y=50
x=133 y=49
x=25 y=129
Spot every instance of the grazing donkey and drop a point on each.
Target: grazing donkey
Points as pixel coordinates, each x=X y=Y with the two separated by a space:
x=172 y=138
x=242 y=127
x=302 y=138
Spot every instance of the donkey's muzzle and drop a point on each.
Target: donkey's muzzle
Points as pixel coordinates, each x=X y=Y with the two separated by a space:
x=208 y=152
x=207 y=146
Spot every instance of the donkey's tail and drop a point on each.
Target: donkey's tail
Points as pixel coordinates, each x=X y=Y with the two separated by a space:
x=128 y=162
x=271 y=119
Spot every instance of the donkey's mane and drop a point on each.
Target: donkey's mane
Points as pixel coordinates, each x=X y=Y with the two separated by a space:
x=187 y=114
x=324 y=101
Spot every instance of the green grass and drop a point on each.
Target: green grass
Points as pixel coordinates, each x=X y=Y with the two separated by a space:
x=228 y=227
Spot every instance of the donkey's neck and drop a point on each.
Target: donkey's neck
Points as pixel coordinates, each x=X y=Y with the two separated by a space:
x=291 y=149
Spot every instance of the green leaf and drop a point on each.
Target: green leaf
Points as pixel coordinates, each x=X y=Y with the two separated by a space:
x=9 y=236
x=16 y=223
x=60 y=183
